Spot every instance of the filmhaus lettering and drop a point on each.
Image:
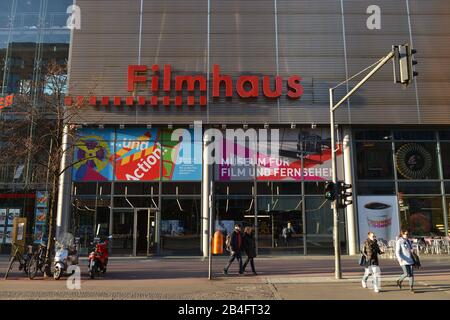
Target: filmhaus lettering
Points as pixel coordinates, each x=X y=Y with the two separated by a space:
x=152 y=86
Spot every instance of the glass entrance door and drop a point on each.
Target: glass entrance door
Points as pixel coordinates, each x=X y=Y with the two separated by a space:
x=145 y=232
x=122 y=236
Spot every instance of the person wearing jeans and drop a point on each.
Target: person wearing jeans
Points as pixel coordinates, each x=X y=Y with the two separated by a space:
x=371 y=251
x=403 y=253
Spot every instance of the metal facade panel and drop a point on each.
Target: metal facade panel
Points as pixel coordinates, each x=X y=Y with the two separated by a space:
x=243 y=41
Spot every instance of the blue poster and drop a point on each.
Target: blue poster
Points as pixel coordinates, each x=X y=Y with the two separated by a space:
x=93 y=155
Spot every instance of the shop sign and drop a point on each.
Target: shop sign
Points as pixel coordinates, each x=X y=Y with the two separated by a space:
x=142 y=78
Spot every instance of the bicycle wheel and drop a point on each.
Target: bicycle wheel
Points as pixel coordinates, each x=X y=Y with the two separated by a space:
x=33 y=267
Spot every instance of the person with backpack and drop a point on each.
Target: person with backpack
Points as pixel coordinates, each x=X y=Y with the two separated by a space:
x=404 y=255
x=234 y=245
x=371 y=251
x=249 y=245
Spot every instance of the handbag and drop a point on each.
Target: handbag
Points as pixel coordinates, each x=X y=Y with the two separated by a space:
x=362 y=260
x=416 y=260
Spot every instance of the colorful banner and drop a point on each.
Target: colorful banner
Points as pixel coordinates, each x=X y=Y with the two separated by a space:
x=40 y=215
x=12 y=213
x=41 y=199
x=378 y=214
x=182 y=160
x=3 y=217
x=3 y=214
x=243 y=162
x=137 y=155
x=39 y=232
x=134 y=154
x=93 y=155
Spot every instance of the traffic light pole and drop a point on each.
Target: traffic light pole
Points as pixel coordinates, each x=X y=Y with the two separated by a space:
x=336 y=240
x=333 y=107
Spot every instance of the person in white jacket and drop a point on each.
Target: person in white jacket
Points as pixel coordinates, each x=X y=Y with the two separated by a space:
x=403 y=253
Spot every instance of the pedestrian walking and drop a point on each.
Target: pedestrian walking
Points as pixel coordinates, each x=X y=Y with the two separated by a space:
x=287 y=233
x=234 y=245
x=371 y=251
x=404 y=255
x=249 y=245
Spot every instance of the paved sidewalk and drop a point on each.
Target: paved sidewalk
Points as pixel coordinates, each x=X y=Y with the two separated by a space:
x=287 y=277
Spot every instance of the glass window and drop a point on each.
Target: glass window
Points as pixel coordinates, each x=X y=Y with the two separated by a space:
x=447 y=187
x=373 y=135
x=136 y=188
x=419 y=187
x=423 y=216
x=444 y=135
x=233 y=210
x=374 y=160
x=414 y=135
x=416 y=160
x=122 y=236
x=375 y=187
x=182 y=188
x=279 y=188
x=85 y=188
x=280 y=225
x=234 y=188
x=104 y=188
x=180 y=226
x=445 y=154
x=319 y=226
x=317 y=187
x=83 y=220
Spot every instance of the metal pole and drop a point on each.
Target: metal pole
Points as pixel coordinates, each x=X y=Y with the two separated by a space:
x=210 y=231
x=337 y=250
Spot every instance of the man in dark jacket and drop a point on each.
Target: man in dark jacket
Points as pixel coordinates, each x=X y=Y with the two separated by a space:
x=371 y=251
x=235 y=249
x=248 y=242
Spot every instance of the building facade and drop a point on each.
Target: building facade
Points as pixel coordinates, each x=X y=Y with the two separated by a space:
x=32 y=34
x=140 y=70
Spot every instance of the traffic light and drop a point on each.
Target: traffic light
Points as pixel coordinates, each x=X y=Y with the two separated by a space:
x=330 y=191
x=344 y=197
x=404 y=64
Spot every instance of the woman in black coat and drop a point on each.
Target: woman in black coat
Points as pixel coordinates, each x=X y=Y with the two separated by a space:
x=249 y=246
x=371 y=251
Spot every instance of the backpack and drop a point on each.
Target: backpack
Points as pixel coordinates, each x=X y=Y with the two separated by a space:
x=228 y=242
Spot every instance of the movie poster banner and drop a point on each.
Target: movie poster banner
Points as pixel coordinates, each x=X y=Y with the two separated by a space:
x=378 y=214
x=242 y=160
x=93 y=152
x=40 y=215
x=138 y=155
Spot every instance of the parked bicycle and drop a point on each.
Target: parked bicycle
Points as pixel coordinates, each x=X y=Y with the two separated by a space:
x=22 y=256
x=39 y=263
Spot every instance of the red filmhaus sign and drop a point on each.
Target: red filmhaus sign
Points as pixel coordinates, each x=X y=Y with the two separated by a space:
x=159 y=83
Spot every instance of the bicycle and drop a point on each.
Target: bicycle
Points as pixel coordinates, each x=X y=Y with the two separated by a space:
x=39 y=262
x=22 y=258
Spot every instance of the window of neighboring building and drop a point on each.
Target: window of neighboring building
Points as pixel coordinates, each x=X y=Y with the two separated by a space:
x=419 y=187
x=416 y=160
x=445 y=154
x=373 y=135
x=374 y=160
x=414 y=135
x=376 y=187
x=424 y=216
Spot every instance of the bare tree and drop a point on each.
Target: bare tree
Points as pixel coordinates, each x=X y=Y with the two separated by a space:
x=35 y=132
